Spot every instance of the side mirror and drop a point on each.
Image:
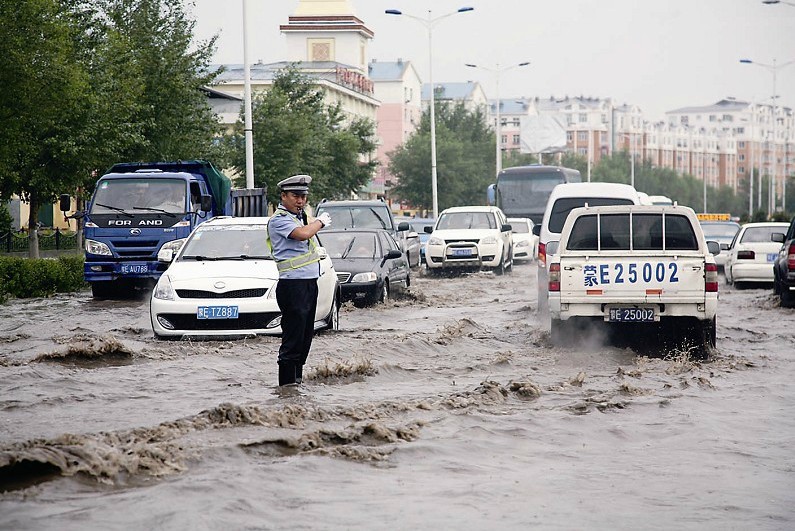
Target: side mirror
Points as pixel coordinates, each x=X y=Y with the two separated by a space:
x=165 y=255
x=392 y=254
x=537 y=230
x=403 y=226
x=777 y=237
x=724 y=247
x=713 y=247
x=429 y=230
x=207 y=203
x=552 y=247
x=65 y=203
x=506 y=228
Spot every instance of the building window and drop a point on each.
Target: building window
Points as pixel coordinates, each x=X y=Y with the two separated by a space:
x=582 y=136
x=516 y=139
x=583 y=118
x=569 y=136
x=741 y=157
x=741 y=169
x=741 y=144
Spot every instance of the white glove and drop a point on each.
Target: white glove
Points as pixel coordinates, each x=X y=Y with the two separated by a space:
x=325 y=219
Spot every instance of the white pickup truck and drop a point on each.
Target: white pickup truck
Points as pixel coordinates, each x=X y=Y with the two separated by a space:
x=637 y=271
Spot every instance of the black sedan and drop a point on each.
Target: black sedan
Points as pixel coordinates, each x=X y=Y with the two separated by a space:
x=369 y=264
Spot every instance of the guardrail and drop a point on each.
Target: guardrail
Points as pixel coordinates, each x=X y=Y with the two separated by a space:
x=11 y=242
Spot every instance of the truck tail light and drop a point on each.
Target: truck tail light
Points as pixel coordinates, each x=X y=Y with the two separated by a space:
x=711 y=278
x=746 y=255
x=542 y=253
x=554 y=277
x=791 y=257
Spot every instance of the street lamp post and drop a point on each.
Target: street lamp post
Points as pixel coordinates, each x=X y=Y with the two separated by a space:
x=498 y=130
x=248 y=128
x=774 y=70
x=429 y=23
x=774 y=2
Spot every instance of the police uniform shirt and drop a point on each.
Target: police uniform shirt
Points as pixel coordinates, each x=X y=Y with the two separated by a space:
x=285 y=247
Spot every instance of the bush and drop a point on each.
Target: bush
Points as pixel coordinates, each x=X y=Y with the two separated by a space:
x=42 y=277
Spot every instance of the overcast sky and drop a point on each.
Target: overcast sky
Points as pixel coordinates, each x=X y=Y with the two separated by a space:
x=658 y=54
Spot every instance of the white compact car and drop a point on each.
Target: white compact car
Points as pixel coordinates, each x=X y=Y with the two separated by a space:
x=470 y=237
x=751 y=254
x=525 y=243
x=223 y=283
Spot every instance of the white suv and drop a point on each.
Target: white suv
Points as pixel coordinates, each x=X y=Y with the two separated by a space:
x=471 y=237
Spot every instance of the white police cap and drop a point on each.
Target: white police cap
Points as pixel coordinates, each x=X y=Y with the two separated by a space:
x=296 y=183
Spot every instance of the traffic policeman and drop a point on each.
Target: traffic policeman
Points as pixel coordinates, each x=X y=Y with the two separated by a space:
x=292 y=241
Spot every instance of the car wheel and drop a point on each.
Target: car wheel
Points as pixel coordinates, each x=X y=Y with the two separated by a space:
x=558 y=333
x=509 y=269
x=333 y=317
x=787 y=298
x=500 y=269
x=384 y=295
x=776 y=284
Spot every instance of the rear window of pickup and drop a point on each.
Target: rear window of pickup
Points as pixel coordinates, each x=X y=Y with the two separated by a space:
x=628 y=232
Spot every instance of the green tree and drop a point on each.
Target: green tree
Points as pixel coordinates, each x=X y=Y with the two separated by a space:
x=296 y=132
x=465 y=159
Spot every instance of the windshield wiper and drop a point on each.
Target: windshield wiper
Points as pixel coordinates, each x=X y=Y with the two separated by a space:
x=347 y=249
x=199 y=257
x=381 y=221
x=152 y=209
x=255 y=257
x=117 y=209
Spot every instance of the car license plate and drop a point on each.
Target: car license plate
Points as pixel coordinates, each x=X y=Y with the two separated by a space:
x=134 y=268
x=461 y=252
x=771 y=257
x=217 y=312
x=630 y=315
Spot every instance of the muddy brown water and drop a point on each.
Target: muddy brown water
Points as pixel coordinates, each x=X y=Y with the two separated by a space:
x=447 y=409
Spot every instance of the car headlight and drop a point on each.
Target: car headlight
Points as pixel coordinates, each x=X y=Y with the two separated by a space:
x=522 y=243
x=174 y=245
x=272 y=291
x=365 y=277
x=164 y=290
x=95 y=247
x=489 y=240
x=435 y=241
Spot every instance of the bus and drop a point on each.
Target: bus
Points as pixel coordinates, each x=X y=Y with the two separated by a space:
x=522 y=191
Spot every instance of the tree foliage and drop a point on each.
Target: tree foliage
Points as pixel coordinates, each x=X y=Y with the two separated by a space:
x=295 y=132
x=464 y=154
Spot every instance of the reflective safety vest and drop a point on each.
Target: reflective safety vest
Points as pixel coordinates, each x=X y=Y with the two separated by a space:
x=296 y=262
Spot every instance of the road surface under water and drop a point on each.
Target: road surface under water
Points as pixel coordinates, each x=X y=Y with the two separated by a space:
x=447 y=408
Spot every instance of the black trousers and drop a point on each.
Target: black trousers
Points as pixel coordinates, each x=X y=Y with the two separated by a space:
x=297 y=299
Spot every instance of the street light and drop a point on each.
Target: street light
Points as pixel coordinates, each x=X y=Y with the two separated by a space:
x=774 y=69
x=497 y=71
x=248 y=128
x=773 y=2
x=429 y=23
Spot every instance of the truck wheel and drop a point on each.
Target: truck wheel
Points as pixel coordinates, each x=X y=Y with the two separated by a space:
x=104 y=290
x=558 y=332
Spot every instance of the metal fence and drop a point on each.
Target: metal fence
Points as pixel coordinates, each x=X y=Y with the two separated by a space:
x=11 y=242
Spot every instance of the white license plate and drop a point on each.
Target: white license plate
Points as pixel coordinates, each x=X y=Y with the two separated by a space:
x=630 y=315
x=461 y=252
x=134 y=268
x=217 y=312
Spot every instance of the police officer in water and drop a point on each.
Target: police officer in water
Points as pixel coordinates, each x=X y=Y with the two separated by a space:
x=292 y=240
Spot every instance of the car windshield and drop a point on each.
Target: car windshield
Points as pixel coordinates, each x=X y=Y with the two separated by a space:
x=466 y=220
x=358 y=217
x=139 y=195
x=720 y=230
x=349 y=245
x=227 y=242
x=519 y=227
x=760 y=234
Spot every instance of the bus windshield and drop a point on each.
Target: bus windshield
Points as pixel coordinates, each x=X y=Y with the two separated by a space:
x=524 y=191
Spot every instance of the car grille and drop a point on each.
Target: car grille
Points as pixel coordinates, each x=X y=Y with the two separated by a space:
x=462 y=241
x=244 y=321
x=235 y=294
x=343 y=277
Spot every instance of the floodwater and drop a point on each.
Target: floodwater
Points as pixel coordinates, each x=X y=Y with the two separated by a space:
x=445 y=409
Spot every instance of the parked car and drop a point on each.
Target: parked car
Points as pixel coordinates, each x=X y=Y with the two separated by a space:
x=722 y=232
x=223 y=283
x=471 y=237
x=418 y=225
x=525 y=243
x=752 y=253
x=369 y=263
x=784 y=266
x=373 y=214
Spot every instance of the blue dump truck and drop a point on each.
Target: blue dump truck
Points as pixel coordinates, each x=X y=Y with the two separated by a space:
x=137 y=209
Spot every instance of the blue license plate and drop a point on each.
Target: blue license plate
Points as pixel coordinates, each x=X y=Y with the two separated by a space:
x=462 y=252
x=134 y=268
x=771 y=257
x=217 y=312
x=630 y=315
